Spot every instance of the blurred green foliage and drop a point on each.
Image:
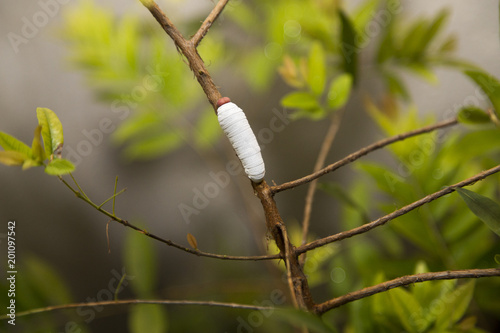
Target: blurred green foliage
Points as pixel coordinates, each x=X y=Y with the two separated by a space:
x=315 y=47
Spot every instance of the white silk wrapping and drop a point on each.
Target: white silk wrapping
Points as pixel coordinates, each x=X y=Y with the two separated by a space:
x=235 y=125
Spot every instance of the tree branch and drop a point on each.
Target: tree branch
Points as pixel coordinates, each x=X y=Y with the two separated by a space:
x=404 y=281
x=81 y=195
x=138 y=301
x=205 y=26
x=383 y=220
x=354 y=156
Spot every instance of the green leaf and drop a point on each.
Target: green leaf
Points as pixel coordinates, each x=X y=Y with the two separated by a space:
x=349 y=46
x=486 y=209
x=9 y=142
x=59 y=166
x=489 y=84
x=303 y=319
x=340 y=90
x=29 y=163
x=52 y=131
x=140 y=262
x=316 y=69
x=497 y=258
x=413 y=44
x=434 y=28
x=11 y=157
x=473 y=115
x=36 y=146
x=149 y=318
x=299 y=100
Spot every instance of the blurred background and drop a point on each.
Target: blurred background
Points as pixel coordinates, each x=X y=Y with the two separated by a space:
x=48 y=66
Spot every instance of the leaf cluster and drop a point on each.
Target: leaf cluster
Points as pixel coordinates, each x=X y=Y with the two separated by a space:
x=18 y=153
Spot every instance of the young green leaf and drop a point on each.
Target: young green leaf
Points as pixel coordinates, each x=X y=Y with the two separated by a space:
x=36 y=146
x=316 y=69
x=473 y=115
x=489 y=84
x=52 y=131
x=340 y=90
x=486 y=209
x=11 y=157
x=8 y=142
x=497 y=258
x=349 y=46
x=59 y=166
x=299 y=100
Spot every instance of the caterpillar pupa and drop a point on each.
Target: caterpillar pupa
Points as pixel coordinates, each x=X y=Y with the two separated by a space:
x=235 y=125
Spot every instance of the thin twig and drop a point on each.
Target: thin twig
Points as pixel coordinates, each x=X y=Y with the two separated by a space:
x=162 y=240
x=404 y=281
x=383 y=220
x=320 y=162
x=354 y=156
x=138 y=301
x=205 y=26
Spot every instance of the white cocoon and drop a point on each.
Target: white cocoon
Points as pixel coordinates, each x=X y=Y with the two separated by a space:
x=235 y=125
